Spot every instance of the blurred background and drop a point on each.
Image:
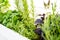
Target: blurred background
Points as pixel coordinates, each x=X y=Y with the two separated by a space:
x=20 y=16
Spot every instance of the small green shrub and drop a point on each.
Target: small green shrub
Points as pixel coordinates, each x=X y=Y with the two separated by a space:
x=51 y=27
x=15 y=21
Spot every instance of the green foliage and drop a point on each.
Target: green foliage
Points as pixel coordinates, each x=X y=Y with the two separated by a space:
x=19 y=20
x=4 y=4
x=51 y=26
x=15 y=21
x=29 y=22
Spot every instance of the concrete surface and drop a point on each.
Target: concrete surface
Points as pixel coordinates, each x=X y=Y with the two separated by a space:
x=8 y=34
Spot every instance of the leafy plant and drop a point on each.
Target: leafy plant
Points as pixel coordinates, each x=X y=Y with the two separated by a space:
x=19 y=20
x=16 y=22
x=51 y=26
x=4 y=5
